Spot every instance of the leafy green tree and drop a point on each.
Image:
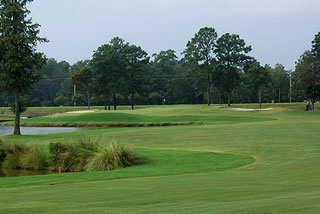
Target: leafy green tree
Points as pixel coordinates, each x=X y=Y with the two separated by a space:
x=54 y=74
x=136 y=67
x=61 y=100
x=280 y=82
x=200 y=53
x=70 y=89
x=103 y=68
x=19 y=38
x=83 y=78
x=316 y=46
x=162 y=72
x=109 y=66
x=259 y=77
x=231 y=54
x=308 y=72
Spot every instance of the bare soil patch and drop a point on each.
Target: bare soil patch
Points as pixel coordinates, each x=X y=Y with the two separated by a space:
x=248 y=109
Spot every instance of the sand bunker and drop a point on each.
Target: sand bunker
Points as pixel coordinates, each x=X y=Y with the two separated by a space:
x=80 y=112
x=248 y=109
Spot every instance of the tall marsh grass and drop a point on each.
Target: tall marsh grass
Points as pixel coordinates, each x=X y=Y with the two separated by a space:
x=22 y=156
x=83 y=154
x=91 y=154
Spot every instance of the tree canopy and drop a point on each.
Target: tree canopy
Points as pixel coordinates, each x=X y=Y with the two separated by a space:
x=19 y=59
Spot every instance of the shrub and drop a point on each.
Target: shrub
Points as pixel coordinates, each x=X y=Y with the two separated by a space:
x=112 y=156
x=2 y=154
x=34 y=159
x=72 y=156
x=12 y=161
x=19 y=156
x=85 y=154
x=91 y=154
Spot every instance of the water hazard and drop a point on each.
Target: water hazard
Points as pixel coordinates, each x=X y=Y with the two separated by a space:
x=8 y=130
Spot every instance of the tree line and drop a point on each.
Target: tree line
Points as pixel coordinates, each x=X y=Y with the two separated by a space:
x=212 y=70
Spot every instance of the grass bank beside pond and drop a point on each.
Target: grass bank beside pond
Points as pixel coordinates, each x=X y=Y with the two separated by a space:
x=42 y=111
x=270 y=165
x=156 y=116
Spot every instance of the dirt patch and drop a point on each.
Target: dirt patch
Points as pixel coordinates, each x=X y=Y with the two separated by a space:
x=248 y=109
x=81 y=112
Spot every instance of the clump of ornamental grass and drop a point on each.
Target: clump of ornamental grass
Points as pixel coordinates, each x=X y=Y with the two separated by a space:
x=91 y=154
x=22 y=156
x=112 y=156
x=83 y=154
x=34 y=159
x=2 y=154
x=70 y=156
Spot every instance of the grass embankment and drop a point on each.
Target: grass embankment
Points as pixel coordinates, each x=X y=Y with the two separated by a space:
x=42 y=111
x=279 y=172
x=139 y=118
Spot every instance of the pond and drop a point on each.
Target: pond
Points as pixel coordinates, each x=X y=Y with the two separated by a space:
x=8 y=130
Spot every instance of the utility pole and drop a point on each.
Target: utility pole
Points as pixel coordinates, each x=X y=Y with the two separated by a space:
x=74 y=93
x=290 y=86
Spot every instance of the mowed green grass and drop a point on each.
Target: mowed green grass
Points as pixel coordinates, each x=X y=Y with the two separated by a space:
x=262 y=166
x=152 y=116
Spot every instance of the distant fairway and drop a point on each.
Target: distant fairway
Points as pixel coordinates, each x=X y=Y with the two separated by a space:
x=224 y=162
x=152 y=116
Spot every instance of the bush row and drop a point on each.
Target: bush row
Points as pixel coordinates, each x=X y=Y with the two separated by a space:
x=86 y=154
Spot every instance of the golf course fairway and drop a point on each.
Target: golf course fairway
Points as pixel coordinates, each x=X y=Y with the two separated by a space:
x=220 y=161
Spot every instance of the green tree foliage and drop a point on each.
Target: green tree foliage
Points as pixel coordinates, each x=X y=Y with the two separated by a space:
x=108 y=65
x=18 y=59
x=168 y=78
x=200 y=53
x=259 y=77
x=280 y=82
x=231 y=54
x=308 y=72
x=83 y=78
x=136 y=61
x=53 y=74
x=316 y=46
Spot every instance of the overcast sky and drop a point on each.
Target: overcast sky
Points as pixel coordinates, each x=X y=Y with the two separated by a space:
x=279 y=31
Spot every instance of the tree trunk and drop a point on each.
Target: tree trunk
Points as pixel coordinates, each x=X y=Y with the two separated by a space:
x=115 y=101
x=132 y=100
x=279 y=95
x=109 y=104
x=105 y=104
x=209 y=90
x=88 y=97
x=313 y=106
x=17 y=112
x=229 y=100
x=260 y=97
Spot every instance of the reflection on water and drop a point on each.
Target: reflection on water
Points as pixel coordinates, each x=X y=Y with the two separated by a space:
x=8 y=130
x=22 y=172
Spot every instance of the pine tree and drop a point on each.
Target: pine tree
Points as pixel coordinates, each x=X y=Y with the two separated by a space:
x=18 y=56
